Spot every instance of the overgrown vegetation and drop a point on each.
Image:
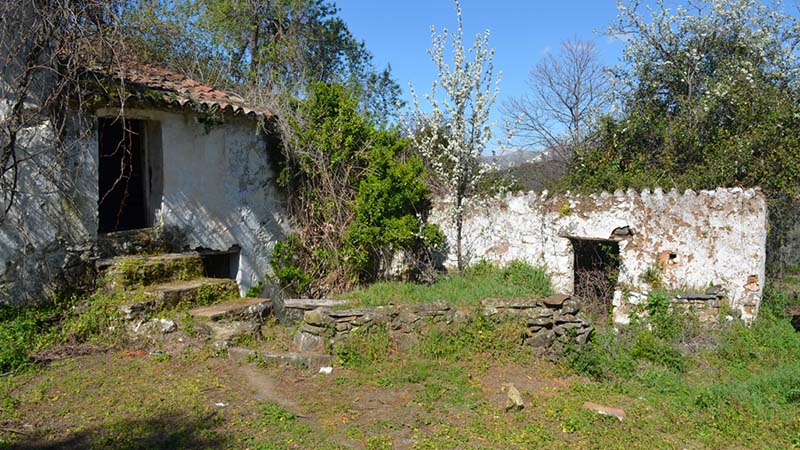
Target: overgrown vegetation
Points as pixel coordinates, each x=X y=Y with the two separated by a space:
x=483 y=280
x=357 y=194
x=742 y=380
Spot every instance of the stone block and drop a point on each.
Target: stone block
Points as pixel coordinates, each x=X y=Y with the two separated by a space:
x=319 y=317
x=570 y=306
x=309 y=343
x=555 y=301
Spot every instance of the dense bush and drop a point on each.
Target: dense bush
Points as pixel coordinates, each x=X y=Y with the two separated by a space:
x=356 y=193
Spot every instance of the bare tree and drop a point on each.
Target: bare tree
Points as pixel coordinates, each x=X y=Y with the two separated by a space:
x=568 y=90
x=45 y=46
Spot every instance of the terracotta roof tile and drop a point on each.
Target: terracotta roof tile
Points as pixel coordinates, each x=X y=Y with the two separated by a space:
x=179 y=90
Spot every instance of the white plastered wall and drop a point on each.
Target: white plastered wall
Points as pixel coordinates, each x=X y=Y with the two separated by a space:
x=718 y=238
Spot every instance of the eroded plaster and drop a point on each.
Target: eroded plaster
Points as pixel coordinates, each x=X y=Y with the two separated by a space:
x=698 y=239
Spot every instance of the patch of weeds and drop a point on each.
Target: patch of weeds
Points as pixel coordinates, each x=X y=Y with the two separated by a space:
x=364 y=346
x=606 y=357
x=96 y=317
x=517 y=280
x=22 y=331
x=275 y=419
x=652 y=337
x=653 y=276
x=209 y=294
x=255 y=291
x=188 y=323
x=379 y=443
x=478 y=335
x=450 y=386
x=275 y=415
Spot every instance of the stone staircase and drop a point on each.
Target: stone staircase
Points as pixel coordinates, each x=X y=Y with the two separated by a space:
x=167 y=297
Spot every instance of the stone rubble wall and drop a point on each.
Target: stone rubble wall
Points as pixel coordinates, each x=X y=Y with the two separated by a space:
x=548 y=323
x=697 y=239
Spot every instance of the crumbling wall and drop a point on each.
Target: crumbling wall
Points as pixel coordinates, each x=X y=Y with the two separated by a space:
x=547 y=324
x=693 y=239
x=47 y=236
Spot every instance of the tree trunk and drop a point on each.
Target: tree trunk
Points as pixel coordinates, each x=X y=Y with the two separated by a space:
x=459 y=235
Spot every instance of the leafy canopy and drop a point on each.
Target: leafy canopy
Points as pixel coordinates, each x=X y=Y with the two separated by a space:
x=709 y=96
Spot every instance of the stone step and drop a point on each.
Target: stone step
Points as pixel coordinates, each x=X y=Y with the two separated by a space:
x=256 y=309
x=140 y=270
x=199 y=291
x=133 y=242
x=292 y=310
x=311 y=361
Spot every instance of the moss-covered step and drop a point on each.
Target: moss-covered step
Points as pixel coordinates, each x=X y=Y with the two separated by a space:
x=256 y=309
x=127 y=271
x=188 y=293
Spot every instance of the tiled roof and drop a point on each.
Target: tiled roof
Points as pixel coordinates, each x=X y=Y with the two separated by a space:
x=179 y=90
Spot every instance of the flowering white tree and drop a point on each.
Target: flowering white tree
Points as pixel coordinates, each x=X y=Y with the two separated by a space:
x=454 y=134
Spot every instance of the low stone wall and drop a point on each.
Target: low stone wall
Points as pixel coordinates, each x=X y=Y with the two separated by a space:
x=549 y=323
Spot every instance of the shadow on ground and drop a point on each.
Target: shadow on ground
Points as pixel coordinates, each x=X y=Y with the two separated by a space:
x=167 y=431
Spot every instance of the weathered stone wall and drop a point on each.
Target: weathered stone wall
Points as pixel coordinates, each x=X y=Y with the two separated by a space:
x=697 y=239
x=218 y=192
x=548 y=323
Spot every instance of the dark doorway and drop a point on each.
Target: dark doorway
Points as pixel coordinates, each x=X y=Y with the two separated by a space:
x=596 y=269
x=122 y=180
x=223 y=264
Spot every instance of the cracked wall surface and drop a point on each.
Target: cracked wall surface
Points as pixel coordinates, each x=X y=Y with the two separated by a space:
x=698 y=239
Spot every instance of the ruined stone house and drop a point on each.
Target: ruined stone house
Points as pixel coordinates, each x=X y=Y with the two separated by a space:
x=708 y=248
x=179 y=165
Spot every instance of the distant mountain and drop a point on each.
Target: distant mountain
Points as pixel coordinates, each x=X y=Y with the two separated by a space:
x=514 y=158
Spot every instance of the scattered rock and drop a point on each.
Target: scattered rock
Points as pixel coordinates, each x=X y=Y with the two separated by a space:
x=619 y=413
x=167 y=326
x=513 y=398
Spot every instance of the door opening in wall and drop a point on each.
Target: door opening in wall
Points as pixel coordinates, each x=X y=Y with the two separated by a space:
x=123 y=180
x=596 y=269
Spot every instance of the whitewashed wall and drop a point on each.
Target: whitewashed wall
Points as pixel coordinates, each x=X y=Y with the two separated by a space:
x=218 y=190
x=719 y=238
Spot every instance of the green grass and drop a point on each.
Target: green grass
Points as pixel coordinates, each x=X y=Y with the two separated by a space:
x=742 y=391
x=516 y=280
x=22 y=331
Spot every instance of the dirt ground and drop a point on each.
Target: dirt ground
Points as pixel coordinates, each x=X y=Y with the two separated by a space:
x=134 y=398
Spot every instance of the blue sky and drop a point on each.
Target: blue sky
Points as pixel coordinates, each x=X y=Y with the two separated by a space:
x=521 y=32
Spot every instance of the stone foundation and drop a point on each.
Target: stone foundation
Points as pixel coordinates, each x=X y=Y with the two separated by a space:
x=549 y=323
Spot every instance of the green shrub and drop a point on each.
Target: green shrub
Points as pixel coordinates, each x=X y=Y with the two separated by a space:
x=286 y=261
x=22 y=330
